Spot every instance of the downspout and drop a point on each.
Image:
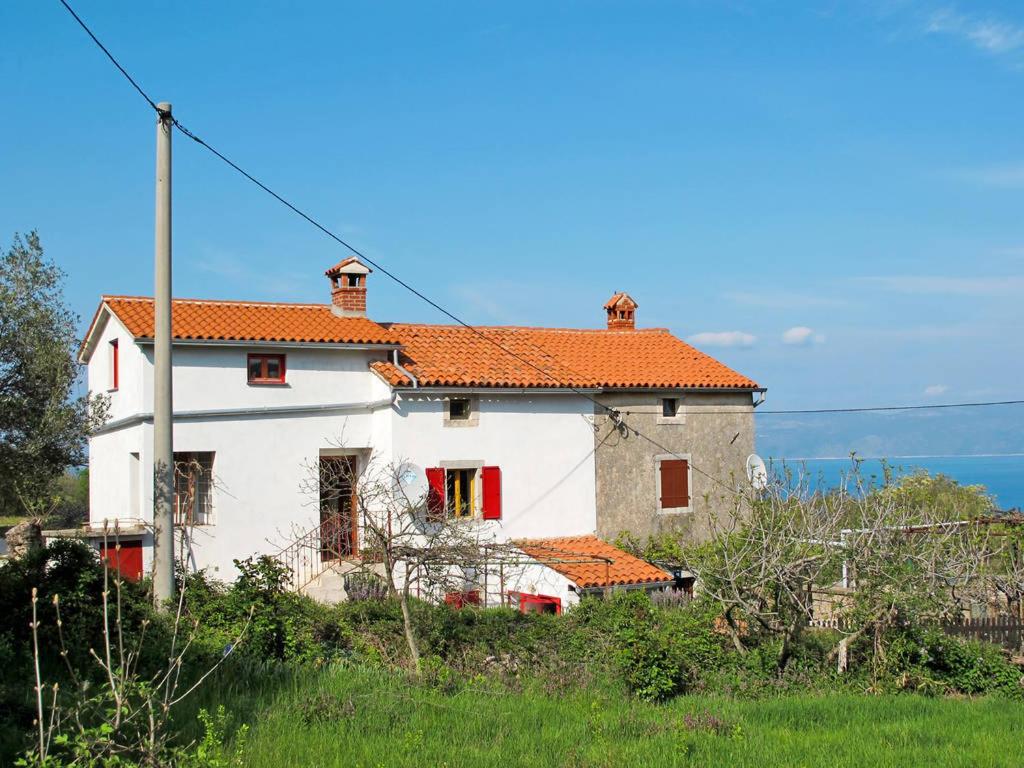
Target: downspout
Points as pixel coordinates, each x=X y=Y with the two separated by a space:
x=394 y=362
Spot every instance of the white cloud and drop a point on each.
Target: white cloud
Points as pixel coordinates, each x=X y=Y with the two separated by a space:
x=722 y=339
x=801 y=335
x=1007 y=176
x=957 y=286
x=934 y=390
x=988 y=34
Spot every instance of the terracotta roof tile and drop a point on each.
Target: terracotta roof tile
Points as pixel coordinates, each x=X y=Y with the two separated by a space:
x=611 y=565
x=445 y=355
x=454 y=356
x=390 y=374
x=249 y=321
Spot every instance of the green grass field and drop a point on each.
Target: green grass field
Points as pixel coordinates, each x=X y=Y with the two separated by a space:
x=362 y=717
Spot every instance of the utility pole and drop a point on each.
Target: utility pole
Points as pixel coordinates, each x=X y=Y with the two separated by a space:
x=163 y=430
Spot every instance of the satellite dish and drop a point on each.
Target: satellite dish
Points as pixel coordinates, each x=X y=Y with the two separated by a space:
x=757 y=472
x=410 y=482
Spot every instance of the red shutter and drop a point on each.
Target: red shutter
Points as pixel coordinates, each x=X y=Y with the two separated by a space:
x=114 y=362
x=435 y=493
x=492 y=492
x=675 y=485
x=126 y=558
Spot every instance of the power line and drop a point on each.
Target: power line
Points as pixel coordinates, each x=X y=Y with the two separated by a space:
x=613 y=413
x=110 y=56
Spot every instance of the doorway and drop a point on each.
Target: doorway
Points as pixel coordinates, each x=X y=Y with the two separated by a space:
x=339 y=528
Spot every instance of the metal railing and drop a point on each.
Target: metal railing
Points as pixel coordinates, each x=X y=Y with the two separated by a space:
x=311 y=554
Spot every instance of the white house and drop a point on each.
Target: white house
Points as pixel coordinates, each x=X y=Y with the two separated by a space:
x=265 y=392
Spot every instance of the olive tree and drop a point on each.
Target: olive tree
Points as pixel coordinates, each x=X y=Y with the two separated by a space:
x=43 y=424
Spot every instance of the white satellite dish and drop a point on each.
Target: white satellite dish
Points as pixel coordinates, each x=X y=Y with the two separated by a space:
x=757 y=472
x=410 y=482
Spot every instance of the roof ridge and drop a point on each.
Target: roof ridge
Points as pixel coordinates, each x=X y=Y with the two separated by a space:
x=233 y=302
x=617 y=331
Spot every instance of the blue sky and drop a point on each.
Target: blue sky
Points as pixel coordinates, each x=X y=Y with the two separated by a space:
x=827 y=196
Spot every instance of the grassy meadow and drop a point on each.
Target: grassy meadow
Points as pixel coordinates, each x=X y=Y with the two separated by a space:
x=364 y=717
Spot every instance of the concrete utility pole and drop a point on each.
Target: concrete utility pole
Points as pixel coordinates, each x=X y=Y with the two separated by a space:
x=163 y=431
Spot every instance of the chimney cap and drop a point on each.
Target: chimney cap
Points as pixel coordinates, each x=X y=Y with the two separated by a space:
x=349 y=266
x=621 y=298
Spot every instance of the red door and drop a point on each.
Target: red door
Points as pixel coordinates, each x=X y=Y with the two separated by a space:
x=126 y=557
x=338 y=520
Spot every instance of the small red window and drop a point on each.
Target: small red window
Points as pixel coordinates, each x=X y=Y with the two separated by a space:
x=538 y=603
x=266 y=369
x=114 y=373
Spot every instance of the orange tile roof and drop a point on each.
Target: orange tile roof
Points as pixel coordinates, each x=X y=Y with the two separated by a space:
x=611 y=565
x=249 y=321
x=446 y=355
x=390 y=374
x=453 y=356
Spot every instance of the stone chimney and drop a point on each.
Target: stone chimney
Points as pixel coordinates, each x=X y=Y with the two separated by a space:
x=348 y=287
x=621 y=311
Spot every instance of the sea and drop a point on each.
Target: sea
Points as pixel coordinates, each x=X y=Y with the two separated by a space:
x=1002 y=475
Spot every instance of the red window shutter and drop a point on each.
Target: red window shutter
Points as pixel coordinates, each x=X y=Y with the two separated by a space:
x=114 y=362
x=491 y=492
x=435 y=493
x=675 y=485
x=126 y=558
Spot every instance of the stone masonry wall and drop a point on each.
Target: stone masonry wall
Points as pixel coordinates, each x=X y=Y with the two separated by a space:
x=717 y=431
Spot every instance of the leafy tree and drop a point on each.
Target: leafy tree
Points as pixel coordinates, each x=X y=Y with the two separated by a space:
x=43 y=425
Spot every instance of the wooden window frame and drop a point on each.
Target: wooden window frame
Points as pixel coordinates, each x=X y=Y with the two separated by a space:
x=264 y=357
x=657 y=484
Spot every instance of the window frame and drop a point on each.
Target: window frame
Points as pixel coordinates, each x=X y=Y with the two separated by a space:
x=263 y=379
x=680 y=417
x=657 y=484
x=472 y=418
x=190 y=518
x=115 y=366
x=473 y=496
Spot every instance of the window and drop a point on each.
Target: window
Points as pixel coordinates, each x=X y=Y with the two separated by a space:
x=460 y=496
x=193 y=488
x=458 y=409
x=538 y=603
x=114 y=365
x=461 y=411
x=134 y=471
x=266 y=369
x=673 y=482
x=464 y=492
x=669 y=407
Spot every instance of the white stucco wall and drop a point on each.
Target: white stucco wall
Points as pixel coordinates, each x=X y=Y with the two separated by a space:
x=540 y=580
x=544 y=445
x=127 y=399
x=213 y=377
x=542 y=442
x=260 y=460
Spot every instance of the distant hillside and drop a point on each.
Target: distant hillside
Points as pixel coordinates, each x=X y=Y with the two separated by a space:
x=954 y=431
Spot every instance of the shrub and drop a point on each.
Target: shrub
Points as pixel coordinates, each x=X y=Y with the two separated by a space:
x=927 y=660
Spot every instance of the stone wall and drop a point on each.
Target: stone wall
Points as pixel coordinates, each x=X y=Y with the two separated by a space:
x=715 y=429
